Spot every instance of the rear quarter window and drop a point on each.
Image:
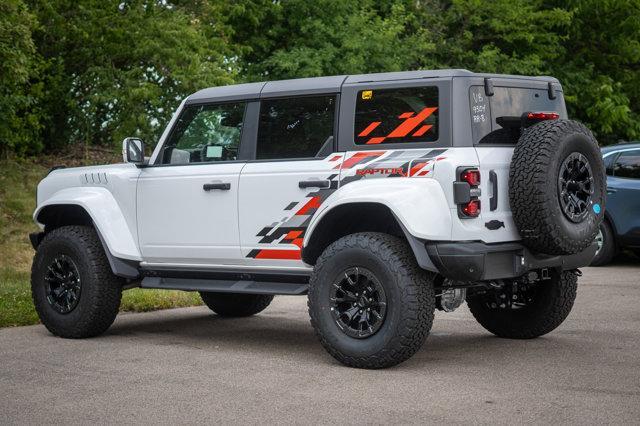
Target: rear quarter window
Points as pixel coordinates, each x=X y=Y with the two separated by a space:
x=403 y=115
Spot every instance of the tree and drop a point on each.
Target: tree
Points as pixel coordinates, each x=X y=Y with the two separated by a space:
x=298 y=38
x=19 y=125
x=601 y=73
x=116 y=69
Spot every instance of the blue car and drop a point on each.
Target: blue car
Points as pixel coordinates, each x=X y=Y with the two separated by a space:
x=621 y=227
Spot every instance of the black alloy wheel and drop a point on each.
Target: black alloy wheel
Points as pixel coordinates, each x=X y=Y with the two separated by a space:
x=63 y=284
x=358 y=303
x=575 y=187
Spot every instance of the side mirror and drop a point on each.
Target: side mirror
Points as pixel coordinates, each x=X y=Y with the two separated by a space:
x=133 y=150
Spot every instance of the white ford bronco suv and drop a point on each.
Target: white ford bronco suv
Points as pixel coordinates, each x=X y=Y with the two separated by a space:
x=383 y=197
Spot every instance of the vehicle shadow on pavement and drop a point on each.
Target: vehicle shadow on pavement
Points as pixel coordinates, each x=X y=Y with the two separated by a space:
x=292 y=337
x=204 y=330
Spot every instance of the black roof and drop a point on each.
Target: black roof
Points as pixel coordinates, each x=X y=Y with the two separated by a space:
x=333 y=83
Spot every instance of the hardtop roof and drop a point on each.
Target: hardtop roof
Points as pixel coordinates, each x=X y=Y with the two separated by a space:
x=311 y=85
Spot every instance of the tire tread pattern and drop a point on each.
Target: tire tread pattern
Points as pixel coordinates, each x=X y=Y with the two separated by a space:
x=557 y=298
x=101 y=309
x=417 y=300
x=536 y=220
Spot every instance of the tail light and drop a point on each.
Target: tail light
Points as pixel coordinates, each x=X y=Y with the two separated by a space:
x=471 y=176
x=466 y=192
x=543 y=115
x=472 y=208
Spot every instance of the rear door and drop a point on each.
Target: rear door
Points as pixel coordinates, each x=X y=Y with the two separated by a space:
x=294 y=171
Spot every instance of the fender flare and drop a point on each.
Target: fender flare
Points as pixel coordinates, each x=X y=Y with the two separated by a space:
x=419 y=206
x=106 y=215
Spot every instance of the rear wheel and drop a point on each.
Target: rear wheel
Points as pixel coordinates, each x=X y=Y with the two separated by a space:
x=370 y=304
x=74 y=291
x=557 y=187
x=236 y=304
x=606 y=245
x=525 y=311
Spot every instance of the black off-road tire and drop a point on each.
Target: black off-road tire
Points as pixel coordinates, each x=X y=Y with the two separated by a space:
x=235 y=304
x=533 y=187
x=607 y=252
x=552 y=304
x=410 y=300
x=100 y=290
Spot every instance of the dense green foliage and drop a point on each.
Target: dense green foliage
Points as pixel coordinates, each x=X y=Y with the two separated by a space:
x=91 y=72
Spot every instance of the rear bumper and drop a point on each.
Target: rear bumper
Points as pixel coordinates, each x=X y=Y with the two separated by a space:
x=476 y=261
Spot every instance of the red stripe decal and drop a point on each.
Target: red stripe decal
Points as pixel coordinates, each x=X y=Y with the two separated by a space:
x=369 y=128
x=298 y=242
x=411 y=123
x=406 y=115
x=415 y=169
x=335 y=158
x=292 y=235
x=422 y=130
x=374 y=141
x=313 y=203
x=278 y=254
x=359 y=156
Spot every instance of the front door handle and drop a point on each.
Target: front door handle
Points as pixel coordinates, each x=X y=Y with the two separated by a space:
x=314 y=184
x=224 y=186
x=611 y=190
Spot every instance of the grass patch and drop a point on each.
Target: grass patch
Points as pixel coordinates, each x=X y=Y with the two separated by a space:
x=139 y=300
x=18 y=181
x=16 y=307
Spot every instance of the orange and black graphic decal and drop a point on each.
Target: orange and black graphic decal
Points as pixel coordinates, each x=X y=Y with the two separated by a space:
x=283 y=240
x=406 y=128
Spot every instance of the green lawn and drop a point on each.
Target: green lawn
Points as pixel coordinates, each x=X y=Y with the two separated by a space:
x=18 y=180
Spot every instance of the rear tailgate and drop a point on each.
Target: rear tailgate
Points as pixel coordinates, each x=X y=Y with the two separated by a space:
x=497 y=221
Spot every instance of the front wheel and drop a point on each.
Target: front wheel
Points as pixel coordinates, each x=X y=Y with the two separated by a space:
x=370 y=304
x=525 y=311
x=74 y=291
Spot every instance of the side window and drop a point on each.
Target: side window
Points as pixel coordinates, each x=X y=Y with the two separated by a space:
x=402 y=115
x=299 y=127
x=627 y=165
x=205 y=133
x=608 y=163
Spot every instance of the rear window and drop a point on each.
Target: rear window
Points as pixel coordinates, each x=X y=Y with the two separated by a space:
x=403 y=115
x=487 y=111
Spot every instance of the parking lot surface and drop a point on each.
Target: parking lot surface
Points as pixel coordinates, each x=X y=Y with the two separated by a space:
x=190 y=366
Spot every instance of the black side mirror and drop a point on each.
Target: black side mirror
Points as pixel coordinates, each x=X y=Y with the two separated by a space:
x=133 y=150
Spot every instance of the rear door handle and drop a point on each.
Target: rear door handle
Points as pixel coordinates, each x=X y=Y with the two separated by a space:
x=611 y=190
x=314 y=183
x=224 y=186
x=493 y=180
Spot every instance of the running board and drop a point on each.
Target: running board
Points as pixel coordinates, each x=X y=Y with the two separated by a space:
x=225 y=286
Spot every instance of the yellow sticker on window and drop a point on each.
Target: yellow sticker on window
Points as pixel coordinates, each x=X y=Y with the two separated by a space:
x=367 y=94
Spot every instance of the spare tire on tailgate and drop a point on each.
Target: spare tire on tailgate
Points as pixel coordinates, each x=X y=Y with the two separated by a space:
x=557 y=187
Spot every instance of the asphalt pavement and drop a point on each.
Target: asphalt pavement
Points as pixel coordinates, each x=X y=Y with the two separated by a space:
x=189 y=366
